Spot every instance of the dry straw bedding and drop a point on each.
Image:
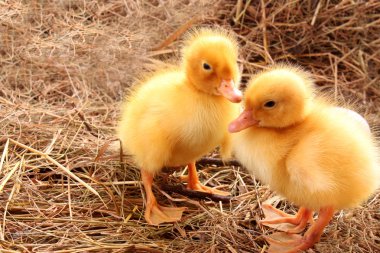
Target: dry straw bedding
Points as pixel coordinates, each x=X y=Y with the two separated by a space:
x=65 y=65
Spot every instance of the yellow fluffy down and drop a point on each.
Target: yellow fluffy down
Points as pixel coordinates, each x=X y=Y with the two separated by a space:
x=173 y=118
x=327 y=158
x=166 y=123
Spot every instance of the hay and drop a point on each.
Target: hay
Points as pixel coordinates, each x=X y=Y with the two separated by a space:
x=64 y=68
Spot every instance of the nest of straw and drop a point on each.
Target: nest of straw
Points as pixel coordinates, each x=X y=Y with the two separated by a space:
x=65 y=66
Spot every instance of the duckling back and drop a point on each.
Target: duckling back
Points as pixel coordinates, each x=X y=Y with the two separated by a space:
x=335 y=163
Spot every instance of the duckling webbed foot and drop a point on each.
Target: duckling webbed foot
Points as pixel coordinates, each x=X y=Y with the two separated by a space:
x=194 y=184
x=281 y=242
x=282 y=221
x=197 y=186
x=156 y=214
x=200 y=187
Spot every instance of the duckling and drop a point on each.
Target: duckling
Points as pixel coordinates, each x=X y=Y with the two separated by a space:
x=180 y=113
x=317 y=155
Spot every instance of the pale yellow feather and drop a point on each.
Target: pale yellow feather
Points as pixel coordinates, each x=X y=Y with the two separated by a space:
x=323 y=156
x=173 y=118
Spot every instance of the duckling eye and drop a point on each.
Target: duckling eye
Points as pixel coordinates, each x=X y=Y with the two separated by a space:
x=206 y=66
x=270 y=104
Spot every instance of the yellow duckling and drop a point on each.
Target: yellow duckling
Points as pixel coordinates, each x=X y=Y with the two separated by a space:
x=319 y=156
x=179 y=114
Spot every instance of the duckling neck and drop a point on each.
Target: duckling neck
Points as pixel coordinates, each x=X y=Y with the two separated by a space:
x=196 y=89
x=308 y=109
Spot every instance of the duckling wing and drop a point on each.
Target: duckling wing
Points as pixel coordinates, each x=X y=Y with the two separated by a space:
x=304 y=166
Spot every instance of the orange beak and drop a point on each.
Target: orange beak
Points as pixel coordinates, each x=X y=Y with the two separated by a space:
x=242 y=122
x=228 y=90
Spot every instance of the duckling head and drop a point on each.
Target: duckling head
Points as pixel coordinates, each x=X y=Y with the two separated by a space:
x=278 y=98
x=210 y=62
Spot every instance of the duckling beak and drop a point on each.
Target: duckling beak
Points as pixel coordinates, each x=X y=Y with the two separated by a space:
x=242 y=122
x=228 y=90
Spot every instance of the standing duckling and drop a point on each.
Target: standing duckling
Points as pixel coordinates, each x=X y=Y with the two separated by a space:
x=319 y=156
x=179 y=114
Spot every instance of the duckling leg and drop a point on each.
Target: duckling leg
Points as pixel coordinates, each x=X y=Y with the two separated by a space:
x=290 y=243
x=154 y=213
x=194 y=184
x=282 y=221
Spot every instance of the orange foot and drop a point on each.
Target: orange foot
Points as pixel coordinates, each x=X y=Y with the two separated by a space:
x=156 y=214
x=197 y=186
x=281 y=242
x=194 y=184
x=282 y=221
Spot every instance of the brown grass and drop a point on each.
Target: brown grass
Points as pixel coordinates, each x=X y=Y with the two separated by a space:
x=65 y=66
